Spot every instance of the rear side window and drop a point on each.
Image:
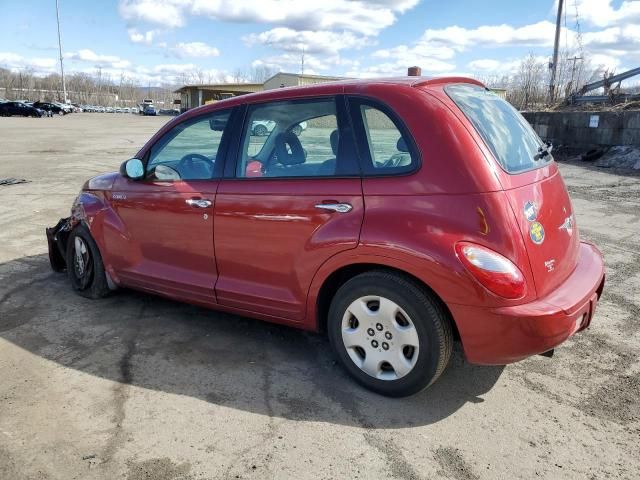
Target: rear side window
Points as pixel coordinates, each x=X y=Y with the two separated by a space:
x=385 y=145
x=509 y=136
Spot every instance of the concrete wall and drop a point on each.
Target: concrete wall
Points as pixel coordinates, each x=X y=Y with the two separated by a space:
x=579 y=128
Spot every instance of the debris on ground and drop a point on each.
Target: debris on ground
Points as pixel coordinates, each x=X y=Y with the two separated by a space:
x=12 y=181
x=624 y=156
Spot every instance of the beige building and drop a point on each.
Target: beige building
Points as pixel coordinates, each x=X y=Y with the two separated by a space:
x=192 y=96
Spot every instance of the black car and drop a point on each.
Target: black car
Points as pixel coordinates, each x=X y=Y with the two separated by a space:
x=50 y=107
x=18 y=108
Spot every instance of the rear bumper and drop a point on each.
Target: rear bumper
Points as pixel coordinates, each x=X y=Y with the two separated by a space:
x=496 y=336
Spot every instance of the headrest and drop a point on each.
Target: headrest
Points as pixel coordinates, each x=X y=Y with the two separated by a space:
x=290 y=139
x=401 y=145
x=334 y=138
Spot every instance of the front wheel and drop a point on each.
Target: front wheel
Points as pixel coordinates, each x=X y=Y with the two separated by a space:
x=84 y=265
x=390 y=333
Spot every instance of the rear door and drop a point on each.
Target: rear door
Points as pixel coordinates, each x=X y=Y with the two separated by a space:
x=532 y=183
x=168 y=217
x=294 y=201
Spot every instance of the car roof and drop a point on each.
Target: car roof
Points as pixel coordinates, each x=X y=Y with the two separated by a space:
x=329 y=88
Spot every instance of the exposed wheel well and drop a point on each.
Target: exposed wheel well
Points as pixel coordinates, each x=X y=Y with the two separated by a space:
x=344 y=274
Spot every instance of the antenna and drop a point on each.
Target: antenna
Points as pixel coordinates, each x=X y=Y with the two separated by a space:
x=64 y=87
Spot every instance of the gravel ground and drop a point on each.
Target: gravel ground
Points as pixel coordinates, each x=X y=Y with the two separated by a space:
x=138 y=387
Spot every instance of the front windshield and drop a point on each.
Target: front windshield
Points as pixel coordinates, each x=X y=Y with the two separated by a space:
x=509 y=136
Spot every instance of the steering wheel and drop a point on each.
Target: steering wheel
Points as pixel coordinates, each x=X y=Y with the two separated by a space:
x=187 y=164
x=395 y=161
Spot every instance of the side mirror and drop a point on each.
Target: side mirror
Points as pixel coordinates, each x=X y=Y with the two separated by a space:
x=133 y=169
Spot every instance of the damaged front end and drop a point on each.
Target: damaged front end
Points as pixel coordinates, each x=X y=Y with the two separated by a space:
x=57 y=239
x=58 y=235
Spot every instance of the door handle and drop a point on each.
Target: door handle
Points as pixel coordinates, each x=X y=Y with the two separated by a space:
x=335 y=207
x=198 y=202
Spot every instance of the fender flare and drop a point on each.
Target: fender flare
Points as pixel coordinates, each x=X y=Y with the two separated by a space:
x=359 y=256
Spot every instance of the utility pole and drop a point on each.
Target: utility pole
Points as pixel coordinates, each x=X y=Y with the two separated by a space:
x=573 y=59
x=64 y=86
x=554 y=62
x=302 y=62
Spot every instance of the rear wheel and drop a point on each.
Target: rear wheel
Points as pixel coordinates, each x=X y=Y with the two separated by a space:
x=390 y=334
x=84 y=265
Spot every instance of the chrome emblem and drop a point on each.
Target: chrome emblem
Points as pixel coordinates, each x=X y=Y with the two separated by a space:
x=536 y=233
x=530 y=211
x=567 y=224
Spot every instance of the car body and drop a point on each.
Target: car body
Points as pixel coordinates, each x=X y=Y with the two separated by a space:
x=405 y=216
x=50 y=107
x=66 y=107
x=9 y=109
x=149 y=110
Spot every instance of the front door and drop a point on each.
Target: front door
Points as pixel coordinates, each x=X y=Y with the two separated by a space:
x=168 y=217
x=295 y=201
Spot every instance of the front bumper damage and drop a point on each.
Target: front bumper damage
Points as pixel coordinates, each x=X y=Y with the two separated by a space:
x=57 y=237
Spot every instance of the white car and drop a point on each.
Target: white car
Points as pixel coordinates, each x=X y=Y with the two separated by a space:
x=261 y=128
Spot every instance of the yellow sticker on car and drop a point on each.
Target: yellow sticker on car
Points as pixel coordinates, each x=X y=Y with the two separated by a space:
x=536 y=232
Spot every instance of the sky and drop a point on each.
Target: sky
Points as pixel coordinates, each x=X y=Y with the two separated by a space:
x=158 y=41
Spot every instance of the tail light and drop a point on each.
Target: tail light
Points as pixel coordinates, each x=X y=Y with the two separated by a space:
x=495 y=272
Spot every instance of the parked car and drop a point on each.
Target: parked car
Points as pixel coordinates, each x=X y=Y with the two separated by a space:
x=169 y=111
x=149 y=110
x=67 y=107
x=260 y=128
x=8 y=109
x=412 y=212
x=50 y=107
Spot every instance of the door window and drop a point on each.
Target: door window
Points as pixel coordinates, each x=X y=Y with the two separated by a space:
x=190 y=150
x=387 y=147
x=293 y=139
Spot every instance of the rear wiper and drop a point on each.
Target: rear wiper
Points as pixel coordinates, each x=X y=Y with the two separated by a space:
x=543 y=151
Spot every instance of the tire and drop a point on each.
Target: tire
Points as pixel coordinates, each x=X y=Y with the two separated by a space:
x=91 y=282
x=260 y=130
x=405 y=310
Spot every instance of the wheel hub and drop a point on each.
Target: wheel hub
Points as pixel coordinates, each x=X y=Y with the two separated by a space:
x=380 y=337
x=81 y=256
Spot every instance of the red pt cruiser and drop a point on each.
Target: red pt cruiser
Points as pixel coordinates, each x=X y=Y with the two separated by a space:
x=405 y=214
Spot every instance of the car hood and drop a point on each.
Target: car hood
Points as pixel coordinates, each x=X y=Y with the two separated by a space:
x=101 y=182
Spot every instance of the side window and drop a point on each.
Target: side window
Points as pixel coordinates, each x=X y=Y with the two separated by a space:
x=291 y=139
x=189 y=150
x=389 y=149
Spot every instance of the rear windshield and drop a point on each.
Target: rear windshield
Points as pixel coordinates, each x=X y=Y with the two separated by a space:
x=509 y=136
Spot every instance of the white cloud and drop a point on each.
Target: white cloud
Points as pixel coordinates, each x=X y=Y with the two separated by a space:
x=193 y=49
x=168 y=13
x=364 y=17
x=145 y=38
x=461 y=38
x=322 y=41
x=89 y=56
x=493 y=66
x=601 y=14
x=39 y=65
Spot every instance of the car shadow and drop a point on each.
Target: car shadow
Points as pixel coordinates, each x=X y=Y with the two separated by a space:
x=158 y=344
